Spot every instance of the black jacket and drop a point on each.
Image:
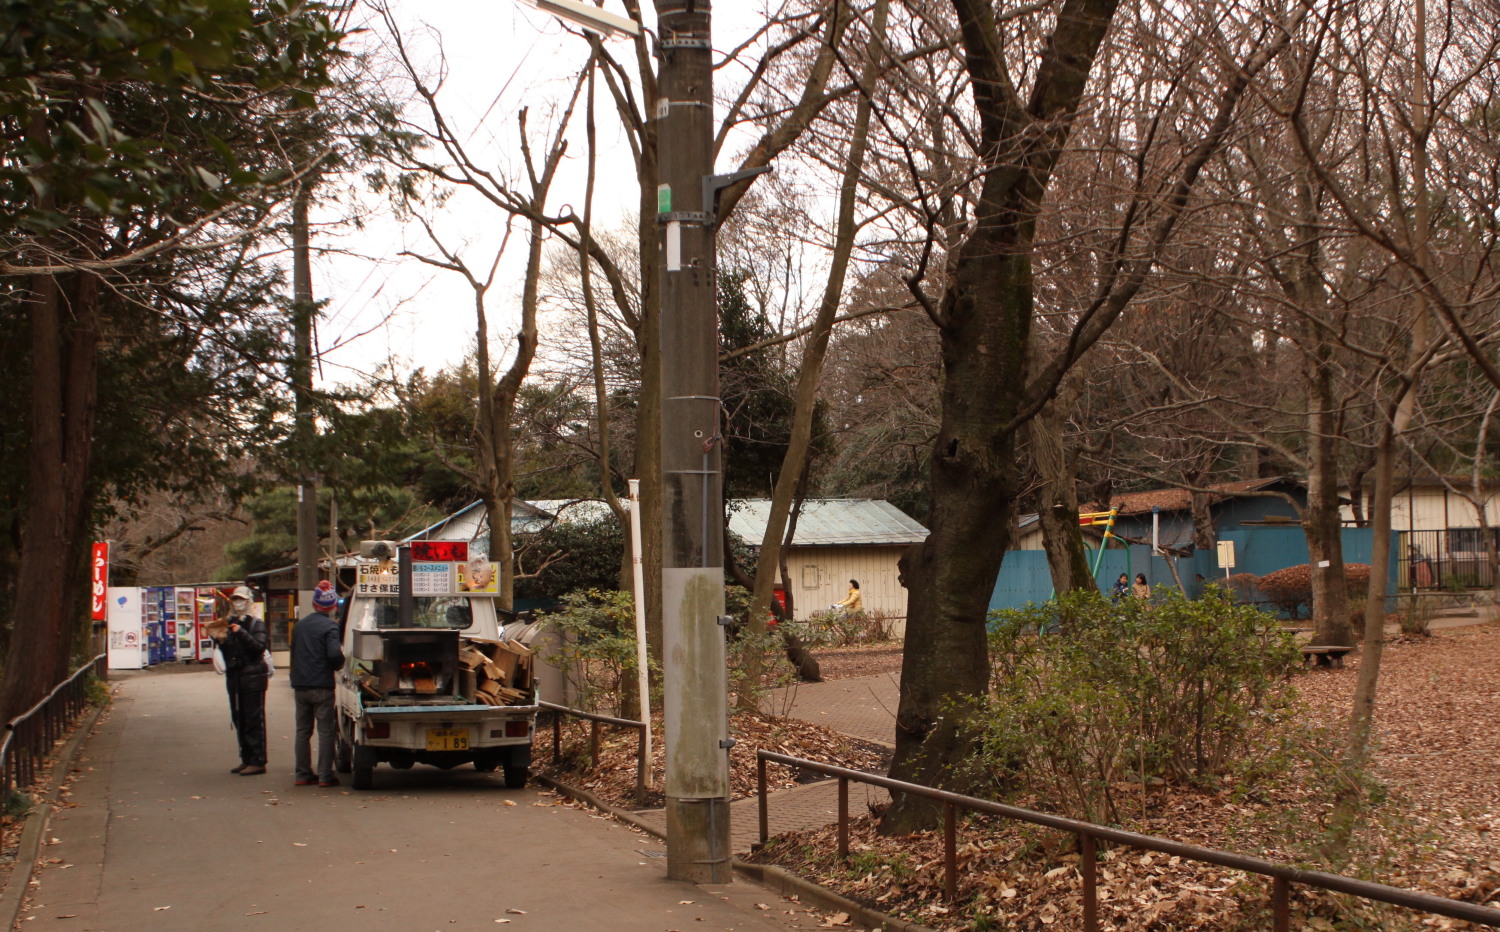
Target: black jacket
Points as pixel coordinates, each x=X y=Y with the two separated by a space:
x=245 y=652
x=316 y=652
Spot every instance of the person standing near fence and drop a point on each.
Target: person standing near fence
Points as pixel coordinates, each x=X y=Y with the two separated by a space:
x=246 y=675
x=316 y=654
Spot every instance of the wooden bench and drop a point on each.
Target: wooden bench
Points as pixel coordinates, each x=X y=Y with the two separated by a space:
x=1324 y=656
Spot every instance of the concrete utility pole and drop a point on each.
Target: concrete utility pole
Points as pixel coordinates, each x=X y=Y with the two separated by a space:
x=303 y=311
x=695 y=681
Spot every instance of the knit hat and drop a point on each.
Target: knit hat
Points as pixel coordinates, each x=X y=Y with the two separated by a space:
x=324 y=597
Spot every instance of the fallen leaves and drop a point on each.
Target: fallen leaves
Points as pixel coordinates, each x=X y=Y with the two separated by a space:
x=1437 y=753
x=613 y=778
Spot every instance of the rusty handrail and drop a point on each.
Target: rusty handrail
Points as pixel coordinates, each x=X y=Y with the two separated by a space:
x=1282 y=875
x=595 y=720
x=29 y=735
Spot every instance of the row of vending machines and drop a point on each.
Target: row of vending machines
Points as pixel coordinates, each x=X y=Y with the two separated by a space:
x=161 y=624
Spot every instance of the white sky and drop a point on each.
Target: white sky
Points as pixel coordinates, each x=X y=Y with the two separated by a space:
x=501 y=54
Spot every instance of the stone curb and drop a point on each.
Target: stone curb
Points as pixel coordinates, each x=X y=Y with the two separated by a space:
x=784 y=882
x=775 y=879
x=30 y=844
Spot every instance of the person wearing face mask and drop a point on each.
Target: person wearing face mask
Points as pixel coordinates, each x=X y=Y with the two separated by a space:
x=244 y=648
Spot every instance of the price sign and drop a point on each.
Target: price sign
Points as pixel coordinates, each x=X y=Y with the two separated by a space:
x=431 y=578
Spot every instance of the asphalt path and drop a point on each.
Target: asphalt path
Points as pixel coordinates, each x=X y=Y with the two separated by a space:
x=155 y=834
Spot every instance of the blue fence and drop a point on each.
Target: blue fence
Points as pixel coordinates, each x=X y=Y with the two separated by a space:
x=1024 y=576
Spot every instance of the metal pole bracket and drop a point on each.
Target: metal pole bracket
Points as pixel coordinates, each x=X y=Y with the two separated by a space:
x=713 y=184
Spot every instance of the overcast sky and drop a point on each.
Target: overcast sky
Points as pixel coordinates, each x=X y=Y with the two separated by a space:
x=501 y=55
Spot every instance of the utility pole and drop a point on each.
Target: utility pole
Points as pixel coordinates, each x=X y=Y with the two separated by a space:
x=303 y=312
x=694 y=678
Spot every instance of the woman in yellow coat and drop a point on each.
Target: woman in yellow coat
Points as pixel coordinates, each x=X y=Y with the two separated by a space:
x=854 y=602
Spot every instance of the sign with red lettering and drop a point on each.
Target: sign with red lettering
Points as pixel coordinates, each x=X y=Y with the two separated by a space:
x=440 y=551
x=99 y=581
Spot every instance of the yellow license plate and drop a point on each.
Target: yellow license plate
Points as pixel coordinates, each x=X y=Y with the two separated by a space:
x=447 y=739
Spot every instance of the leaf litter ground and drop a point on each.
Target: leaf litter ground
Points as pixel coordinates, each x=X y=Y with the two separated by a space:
x=1437 y=757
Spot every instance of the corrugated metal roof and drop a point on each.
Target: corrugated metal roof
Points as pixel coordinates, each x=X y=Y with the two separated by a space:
x=828 y=522
x=1136 y=503
x=823 y=522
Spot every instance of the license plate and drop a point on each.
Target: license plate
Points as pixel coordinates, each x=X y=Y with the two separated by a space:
x=447 y=739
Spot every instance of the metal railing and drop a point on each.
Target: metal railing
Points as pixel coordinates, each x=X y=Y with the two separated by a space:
x=1451 y=559
x=31 y=735
x=1089 y=835
x=595 y=720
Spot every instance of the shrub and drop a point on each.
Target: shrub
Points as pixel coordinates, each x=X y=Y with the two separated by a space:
x=597 y=656
x=849 y=629
x=1291 y=588
x=1242 y=586
x=596 y=652
x=1168 y=689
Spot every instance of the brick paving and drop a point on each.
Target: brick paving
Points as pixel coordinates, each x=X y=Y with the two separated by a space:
x=802 y=807
x=863 y=707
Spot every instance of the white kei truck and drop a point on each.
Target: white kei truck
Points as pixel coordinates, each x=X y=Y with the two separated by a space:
x=438 y=680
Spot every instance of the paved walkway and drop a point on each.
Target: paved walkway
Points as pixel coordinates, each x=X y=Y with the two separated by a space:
x=157 y=836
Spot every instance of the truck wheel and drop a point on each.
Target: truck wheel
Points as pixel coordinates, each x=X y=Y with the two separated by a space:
x=515 y=777
x=364 y=767
x=343 y=745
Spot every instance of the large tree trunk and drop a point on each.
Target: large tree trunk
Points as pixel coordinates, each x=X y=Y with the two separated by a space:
x=64 y=357
x=985 y=327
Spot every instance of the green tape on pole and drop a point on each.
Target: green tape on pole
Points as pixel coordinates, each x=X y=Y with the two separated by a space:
x=664 y=199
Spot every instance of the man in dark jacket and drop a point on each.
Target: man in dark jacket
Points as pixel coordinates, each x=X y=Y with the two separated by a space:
x=316 y=654
x=245 y=674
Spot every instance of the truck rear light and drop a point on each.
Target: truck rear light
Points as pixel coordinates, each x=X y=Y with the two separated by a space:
x=378 y=730
x=517 y=729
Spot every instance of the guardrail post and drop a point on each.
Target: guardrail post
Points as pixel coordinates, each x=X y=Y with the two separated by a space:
x=1281 y=908
x=950 y=850
x=844 y=818
x=556 y=738
x=593 y=743
x=760 y=788
x=1090 y=870
x=640 y=766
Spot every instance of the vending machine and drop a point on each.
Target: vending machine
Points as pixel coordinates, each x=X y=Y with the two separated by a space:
x=186 y=599
x=211 y=602
x=127 y=628
x=155 y=630
x=169 y=623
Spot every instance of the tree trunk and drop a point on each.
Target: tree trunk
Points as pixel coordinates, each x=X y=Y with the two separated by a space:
x=1066 y=557
x=1321 y=524
x=64 y=355
x=794 y=462
x=985 y=328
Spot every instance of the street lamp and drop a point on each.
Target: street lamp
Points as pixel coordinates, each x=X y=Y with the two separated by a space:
x=595 y=20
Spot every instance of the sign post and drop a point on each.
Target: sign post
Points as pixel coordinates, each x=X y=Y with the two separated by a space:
x=1226 y=556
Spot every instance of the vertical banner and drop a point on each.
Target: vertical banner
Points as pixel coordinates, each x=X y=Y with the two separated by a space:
x=99 y=581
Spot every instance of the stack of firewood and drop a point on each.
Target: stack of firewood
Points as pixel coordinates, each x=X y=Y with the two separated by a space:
x=495 y=672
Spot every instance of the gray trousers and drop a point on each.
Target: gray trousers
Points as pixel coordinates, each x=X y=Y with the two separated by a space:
x=314 y=705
